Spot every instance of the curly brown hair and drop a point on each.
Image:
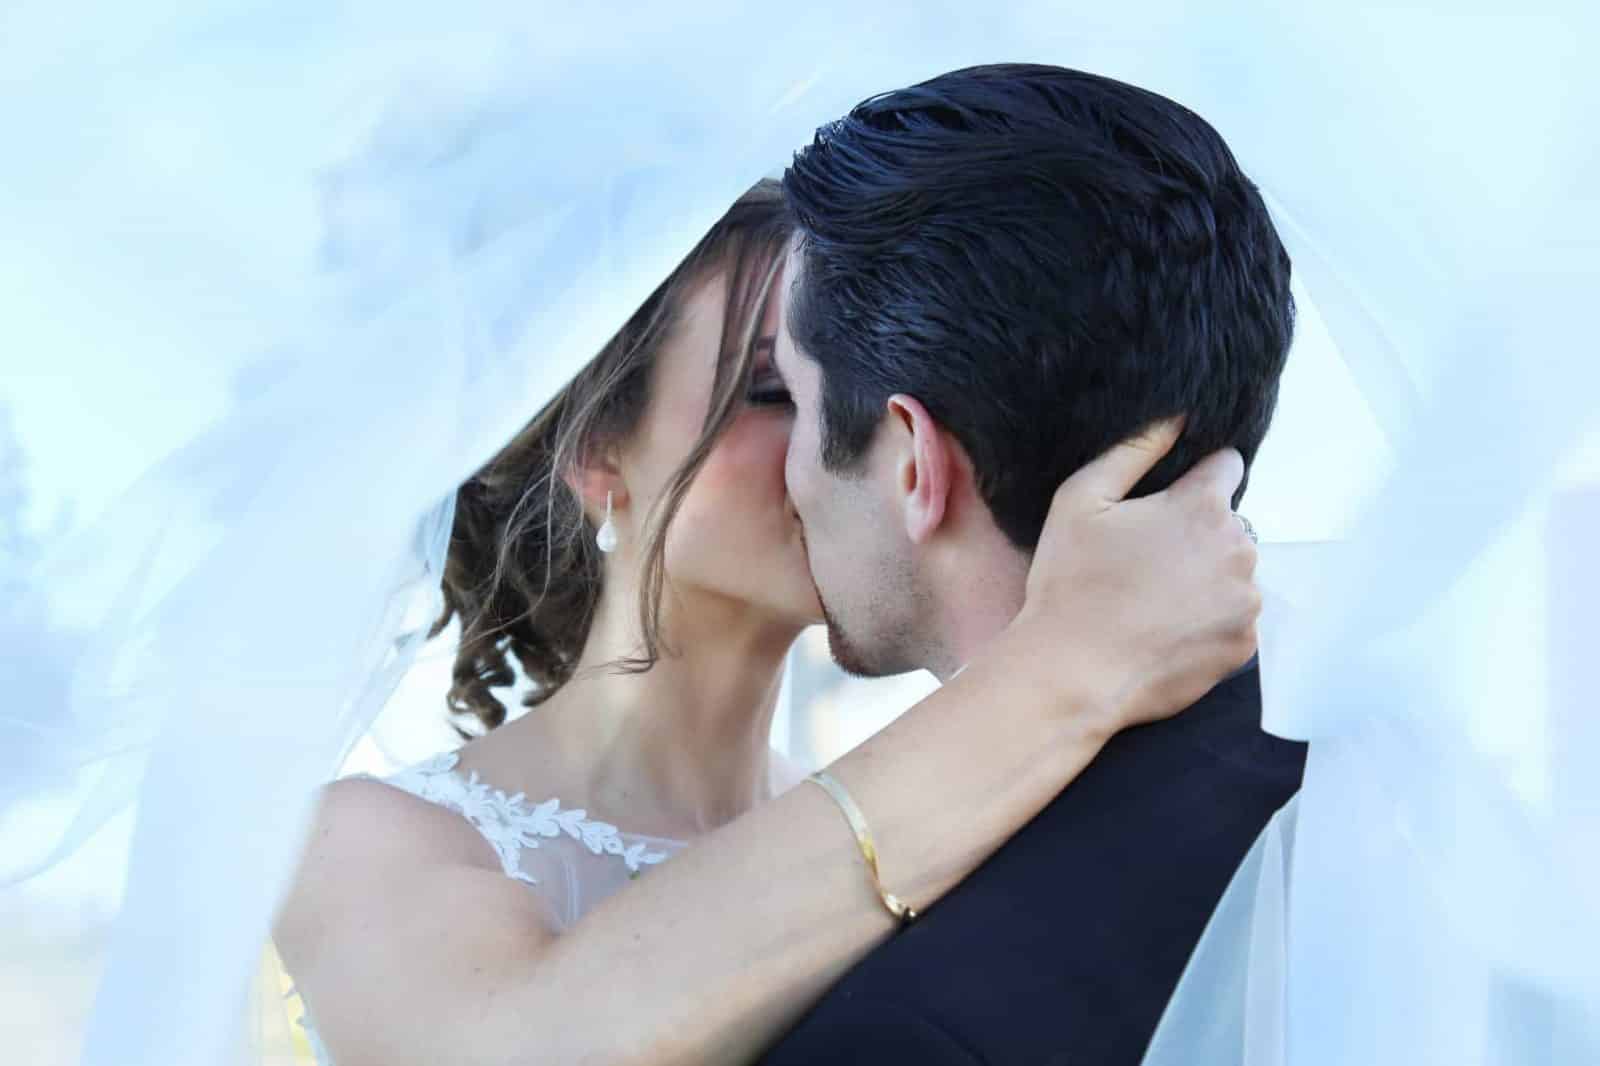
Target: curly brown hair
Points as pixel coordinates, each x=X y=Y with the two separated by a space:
x=523 y=573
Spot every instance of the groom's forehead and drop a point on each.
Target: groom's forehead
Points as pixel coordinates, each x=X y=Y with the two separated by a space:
x=788 y=277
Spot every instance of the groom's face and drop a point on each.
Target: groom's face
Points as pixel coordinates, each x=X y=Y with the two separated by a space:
x=860 y=558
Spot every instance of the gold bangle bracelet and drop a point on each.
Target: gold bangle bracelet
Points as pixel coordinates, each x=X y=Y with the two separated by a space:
x=902 y=911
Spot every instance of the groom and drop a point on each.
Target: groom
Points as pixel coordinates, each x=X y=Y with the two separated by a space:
x=997 y=275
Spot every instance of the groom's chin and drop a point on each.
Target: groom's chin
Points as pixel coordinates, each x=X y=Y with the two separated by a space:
x=847 y=654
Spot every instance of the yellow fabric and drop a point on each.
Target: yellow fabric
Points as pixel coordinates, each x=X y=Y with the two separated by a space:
x=278 y=1008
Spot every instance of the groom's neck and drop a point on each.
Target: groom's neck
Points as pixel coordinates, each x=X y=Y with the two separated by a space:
x=978 y=589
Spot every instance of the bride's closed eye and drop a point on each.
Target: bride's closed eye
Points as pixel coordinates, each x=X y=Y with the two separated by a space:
x=766 y=384
x=768 y=390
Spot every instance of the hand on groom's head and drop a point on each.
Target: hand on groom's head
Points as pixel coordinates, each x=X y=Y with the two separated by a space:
x=1171 y=575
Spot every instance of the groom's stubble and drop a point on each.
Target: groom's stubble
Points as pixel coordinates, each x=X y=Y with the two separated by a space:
x=879 y=638
x=846 y=656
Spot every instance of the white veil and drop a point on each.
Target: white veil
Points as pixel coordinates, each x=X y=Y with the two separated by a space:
x=360 y=244
x=1429 y=894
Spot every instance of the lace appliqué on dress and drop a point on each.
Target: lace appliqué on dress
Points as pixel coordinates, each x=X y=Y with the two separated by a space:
x=508 y=823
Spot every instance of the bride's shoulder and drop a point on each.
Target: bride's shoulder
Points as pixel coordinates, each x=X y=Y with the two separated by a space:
x=378 y=860
x=400 y=818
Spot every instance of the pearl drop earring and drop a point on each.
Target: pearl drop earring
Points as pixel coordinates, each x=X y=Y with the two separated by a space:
x=606 y=538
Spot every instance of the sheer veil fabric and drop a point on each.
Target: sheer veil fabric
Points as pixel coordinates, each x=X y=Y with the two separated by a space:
x=423 y=220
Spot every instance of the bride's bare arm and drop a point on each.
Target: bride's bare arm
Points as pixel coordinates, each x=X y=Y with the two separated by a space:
x=412 y=947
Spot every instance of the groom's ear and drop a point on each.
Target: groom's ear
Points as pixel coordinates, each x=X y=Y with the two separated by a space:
x=925 y=467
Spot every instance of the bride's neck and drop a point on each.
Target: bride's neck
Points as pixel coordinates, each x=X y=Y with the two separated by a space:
x=683 y=745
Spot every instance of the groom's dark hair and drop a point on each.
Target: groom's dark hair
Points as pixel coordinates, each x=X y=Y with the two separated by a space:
x=1049 y=261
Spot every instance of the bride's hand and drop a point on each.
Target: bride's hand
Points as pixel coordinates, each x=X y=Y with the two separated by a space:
x=1153 y=599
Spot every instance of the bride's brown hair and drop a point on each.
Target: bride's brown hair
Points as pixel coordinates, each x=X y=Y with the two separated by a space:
x=523 y=573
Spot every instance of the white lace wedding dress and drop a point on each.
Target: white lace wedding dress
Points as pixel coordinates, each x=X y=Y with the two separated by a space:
x=571 y=860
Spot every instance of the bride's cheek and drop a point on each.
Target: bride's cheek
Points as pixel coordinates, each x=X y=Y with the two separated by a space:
x=748 y=462
x=719 y=499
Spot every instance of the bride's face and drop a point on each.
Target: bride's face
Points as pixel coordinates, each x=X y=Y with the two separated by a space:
x=735 y=537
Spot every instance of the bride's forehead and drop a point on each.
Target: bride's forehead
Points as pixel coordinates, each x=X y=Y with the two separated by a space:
x=697 y=320
x=685 y=363
x=703 y=302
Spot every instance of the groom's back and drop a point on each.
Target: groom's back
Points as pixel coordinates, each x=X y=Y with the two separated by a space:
x=1065 y=945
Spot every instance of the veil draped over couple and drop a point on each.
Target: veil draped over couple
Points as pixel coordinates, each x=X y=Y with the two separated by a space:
x=974 y=371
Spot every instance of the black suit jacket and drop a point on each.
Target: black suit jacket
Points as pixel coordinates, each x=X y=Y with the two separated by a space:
x=1064 y=947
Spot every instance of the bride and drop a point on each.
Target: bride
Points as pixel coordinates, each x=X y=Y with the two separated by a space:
x=634 y=551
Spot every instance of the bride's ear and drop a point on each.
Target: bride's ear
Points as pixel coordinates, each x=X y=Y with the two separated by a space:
x=592 y=479
x=925 y=467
